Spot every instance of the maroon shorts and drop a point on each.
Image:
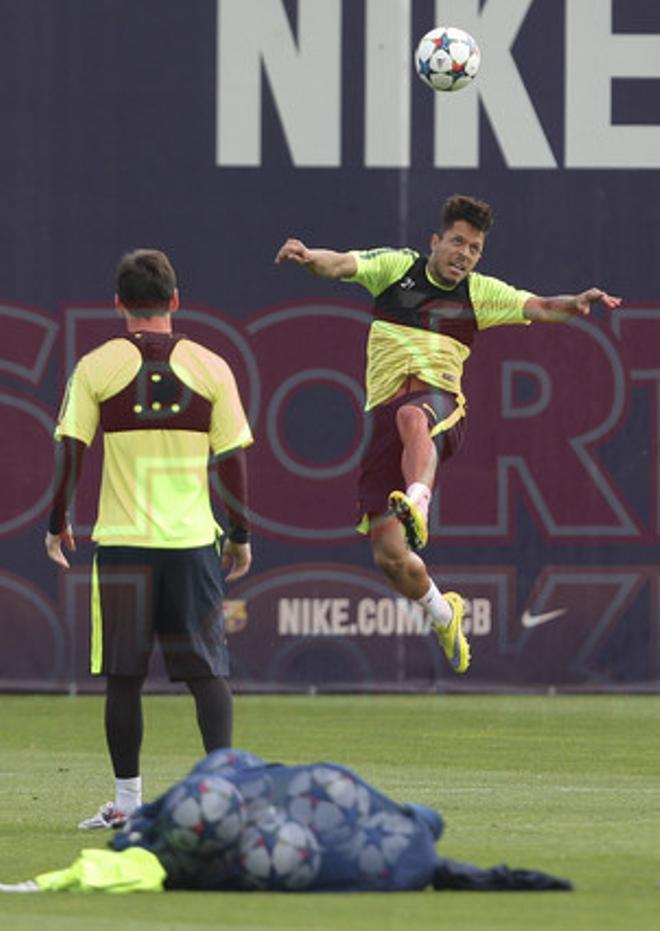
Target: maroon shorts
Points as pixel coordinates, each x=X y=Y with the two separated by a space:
x=380 y=469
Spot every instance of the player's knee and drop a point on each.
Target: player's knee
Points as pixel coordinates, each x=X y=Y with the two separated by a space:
x=410 y=420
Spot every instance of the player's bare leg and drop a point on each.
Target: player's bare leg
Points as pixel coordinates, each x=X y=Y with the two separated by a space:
x=405 y=570
x=409 y=577
x=419 y=461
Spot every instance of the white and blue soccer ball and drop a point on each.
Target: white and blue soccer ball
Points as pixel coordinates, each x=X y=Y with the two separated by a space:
x=328 y=801
x=379 y=845
x=257 y=791
x=447 y=58
x=276 y=853
x=204 y=814
x=227 y=760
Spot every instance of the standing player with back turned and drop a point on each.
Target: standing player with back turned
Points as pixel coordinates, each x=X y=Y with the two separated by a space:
x=427 y=313
x=164 y=404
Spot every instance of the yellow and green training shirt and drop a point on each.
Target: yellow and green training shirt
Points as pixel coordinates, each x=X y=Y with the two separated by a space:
x=164 y=404
x=422 y=328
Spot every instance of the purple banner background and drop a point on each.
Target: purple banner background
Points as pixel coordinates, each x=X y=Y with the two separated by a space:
x=130 y=125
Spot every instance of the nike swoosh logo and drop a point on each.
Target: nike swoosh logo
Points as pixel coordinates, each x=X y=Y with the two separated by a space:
x=533 y=620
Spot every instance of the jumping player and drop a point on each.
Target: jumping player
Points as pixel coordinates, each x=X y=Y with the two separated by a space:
x=427 y=312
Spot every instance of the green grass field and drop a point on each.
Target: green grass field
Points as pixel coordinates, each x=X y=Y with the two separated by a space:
x=569 y=785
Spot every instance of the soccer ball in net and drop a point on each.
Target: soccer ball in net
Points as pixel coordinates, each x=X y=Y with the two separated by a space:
x=196 y=832
x=204 y=814
x=383 y=839
x=447 y=58
x=329 y=801
x=275 y=853
x=219 y=762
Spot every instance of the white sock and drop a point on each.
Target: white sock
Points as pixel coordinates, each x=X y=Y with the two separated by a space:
x=419 y=493
x=438 y=607
x=128 y=794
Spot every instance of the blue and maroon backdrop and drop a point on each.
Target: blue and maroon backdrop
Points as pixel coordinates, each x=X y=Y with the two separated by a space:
x=213 y=130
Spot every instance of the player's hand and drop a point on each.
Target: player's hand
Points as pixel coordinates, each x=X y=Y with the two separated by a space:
x=54 y=543
x=591 y=296
x=236 y=560
x=293 y=250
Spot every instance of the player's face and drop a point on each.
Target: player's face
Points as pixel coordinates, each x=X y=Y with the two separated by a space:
x=455 y=252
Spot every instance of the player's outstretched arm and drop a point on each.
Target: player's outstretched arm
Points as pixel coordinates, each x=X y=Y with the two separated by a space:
x=322 y=262
x=564 y=307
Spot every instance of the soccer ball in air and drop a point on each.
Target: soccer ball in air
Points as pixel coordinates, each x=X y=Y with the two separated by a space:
x=276 y=853
x=447 y=58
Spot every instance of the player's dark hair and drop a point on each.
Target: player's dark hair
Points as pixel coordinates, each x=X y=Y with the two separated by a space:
x=145 y=282
x=475 y=212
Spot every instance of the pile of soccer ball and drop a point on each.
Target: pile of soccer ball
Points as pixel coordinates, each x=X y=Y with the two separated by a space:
x=447 y=58
x=237 y=823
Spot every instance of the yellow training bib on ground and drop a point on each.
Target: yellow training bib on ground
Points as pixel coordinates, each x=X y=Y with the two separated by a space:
x=132 y=870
